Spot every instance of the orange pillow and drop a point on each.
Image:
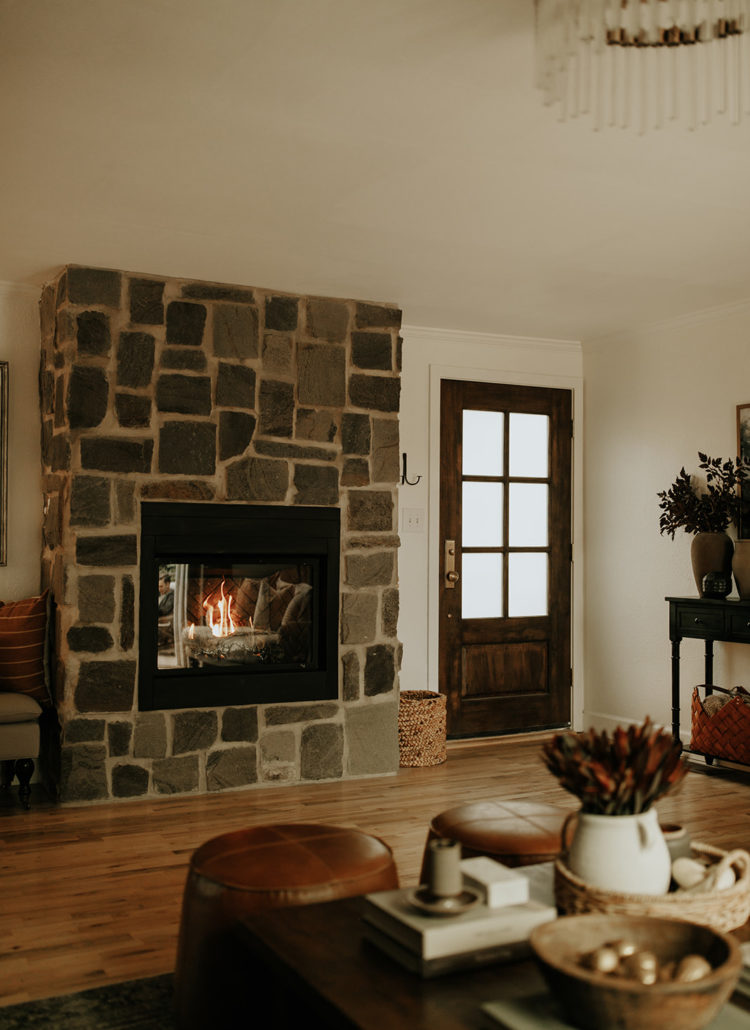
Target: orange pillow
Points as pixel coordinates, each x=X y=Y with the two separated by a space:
x=23 y=647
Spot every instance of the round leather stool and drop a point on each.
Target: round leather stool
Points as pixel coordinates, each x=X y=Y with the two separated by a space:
x=257 y=868
x=512 y=832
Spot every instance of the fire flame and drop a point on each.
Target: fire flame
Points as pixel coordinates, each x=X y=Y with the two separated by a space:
x=223 y=625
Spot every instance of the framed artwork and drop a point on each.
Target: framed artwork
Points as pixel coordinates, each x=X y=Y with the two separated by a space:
x=743 y=451
x=743 y=431
x=3 y=462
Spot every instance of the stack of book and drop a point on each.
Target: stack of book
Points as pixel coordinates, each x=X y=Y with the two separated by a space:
x=431 y=944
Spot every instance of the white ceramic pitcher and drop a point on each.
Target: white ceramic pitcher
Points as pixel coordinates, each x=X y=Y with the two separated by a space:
x=623 y=853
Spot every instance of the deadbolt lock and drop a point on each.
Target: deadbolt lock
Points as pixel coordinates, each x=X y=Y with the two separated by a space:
x=451 y=576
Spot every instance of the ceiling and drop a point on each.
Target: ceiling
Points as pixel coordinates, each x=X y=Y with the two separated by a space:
x=391 y=150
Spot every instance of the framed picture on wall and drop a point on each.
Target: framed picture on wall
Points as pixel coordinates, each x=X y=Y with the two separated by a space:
x=743 y=451
x=3 y=462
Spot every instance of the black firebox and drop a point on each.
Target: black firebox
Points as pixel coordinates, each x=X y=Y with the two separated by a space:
x=239 y=604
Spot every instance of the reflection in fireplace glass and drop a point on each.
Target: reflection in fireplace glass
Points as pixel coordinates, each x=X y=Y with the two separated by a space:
x=234 y=614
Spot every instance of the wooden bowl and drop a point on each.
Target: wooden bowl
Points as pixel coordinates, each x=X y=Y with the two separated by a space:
x=593 y=1000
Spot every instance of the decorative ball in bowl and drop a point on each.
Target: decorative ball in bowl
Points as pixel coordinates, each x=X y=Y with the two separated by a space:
x=596 y=991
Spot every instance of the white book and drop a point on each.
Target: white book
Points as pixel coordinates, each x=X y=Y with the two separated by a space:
x=432 y=936
x=460 y=960
x=541 y=1012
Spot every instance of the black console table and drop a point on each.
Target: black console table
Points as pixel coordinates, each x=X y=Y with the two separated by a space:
x=703 y=619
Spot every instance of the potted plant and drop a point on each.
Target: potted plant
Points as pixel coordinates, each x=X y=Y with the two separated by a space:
x=617 y=843
x=707 y=514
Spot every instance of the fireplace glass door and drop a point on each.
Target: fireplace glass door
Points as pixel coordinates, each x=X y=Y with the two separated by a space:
x=224 y=614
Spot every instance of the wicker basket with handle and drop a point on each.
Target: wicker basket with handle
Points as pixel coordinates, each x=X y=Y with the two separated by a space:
x=721 y=909
x=726 y=733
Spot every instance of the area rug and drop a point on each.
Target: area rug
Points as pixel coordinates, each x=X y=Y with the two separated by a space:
x=134 y=1005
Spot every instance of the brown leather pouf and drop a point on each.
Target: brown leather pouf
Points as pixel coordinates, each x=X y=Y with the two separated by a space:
x=248 y=870
x=512 y=832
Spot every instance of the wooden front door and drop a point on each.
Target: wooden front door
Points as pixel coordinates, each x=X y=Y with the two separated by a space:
x=505 y=563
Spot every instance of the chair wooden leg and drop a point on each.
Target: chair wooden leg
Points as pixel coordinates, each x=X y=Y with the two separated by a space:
x=24 y=772
x=7 y=768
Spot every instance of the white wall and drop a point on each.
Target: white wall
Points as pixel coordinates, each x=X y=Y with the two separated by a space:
x=653 y=400
x=430 y=355
x=19 y=345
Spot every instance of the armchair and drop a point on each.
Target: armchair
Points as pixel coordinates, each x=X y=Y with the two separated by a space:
x=19 y=741
x=24 y=688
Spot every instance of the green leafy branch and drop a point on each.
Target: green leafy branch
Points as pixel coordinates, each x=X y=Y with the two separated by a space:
x=685 y=506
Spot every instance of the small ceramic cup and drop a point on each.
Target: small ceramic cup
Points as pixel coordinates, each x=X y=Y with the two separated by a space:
x=678 y=840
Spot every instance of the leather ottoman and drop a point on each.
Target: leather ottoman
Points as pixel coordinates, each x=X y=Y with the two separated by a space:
x=248 y=870
x=512 y=832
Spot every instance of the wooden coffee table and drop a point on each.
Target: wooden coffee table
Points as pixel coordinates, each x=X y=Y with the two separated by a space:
x=319 y=972
x=322 y=973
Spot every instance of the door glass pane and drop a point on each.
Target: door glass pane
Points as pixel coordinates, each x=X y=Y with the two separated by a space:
x=481 y=586
x=483 y=443
x=527 y=584
x=482 y=515
x=527 y=522
x=529 y=445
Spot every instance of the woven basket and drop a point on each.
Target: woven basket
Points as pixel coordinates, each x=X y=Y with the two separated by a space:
x=722 y=910
x=421 y=728
x=726 y=734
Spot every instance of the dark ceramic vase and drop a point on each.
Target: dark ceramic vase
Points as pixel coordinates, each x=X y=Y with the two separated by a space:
x=741 y=568
x=710 y=552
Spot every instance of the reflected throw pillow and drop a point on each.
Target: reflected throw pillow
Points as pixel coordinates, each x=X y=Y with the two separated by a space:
x=271 y=605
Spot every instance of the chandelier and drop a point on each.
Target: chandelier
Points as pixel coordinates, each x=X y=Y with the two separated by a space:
x=642 y=63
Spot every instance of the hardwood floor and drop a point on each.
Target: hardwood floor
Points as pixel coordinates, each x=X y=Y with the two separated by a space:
x=91 y=894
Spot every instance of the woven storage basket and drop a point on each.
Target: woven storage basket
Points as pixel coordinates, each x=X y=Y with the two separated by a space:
x=722 y=910
x=726 y=734
x=421 y=728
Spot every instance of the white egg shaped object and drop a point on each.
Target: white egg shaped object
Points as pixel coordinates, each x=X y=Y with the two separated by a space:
x=686 y=872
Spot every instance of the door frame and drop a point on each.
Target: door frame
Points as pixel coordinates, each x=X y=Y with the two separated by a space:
x=490 y=375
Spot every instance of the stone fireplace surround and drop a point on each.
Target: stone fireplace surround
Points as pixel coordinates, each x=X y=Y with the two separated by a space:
x=166 y=389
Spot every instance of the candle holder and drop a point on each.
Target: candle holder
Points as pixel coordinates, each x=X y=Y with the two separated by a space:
x=444 y=877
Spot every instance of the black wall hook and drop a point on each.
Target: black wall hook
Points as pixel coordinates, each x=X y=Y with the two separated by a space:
x=404 y=477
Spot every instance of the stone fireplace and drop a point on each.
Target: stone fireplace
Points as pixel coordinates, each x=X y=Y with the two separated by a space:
x=178 y=395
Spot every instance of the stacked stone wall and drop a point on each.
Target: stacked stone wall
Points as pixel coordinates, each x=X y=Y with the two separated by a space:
x=167 y=389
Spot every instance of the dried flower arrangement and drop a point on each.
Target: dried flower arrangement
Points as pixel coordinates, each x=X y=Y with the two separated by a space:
x=621 y=774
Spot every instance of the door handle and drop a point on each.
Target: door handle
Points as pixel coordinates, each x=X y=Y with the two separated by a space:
x=451 y=576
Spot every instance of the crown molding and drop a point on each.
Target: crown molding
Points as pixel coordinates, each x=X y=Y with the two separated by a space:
x=457 y=337
x=690 y=318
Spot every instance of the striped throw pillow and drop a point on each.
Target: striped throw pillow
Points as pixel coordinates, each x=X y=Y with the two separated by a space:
x=23 y=647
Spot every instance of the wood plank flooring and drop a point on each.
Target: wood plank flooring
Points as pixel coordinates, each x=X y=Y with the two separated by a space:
x=91 y=894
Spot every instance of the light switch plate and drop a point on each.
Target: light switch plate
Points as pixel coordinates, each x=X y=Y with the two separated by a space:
x=412 y=520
